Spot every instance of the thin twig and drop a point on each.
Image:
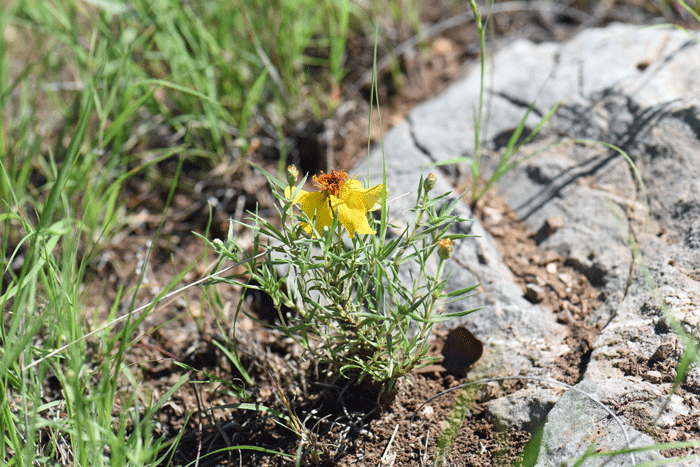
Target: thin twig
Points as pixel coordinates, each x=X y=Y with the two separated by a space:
x=200 y=434
x=438 y=28
x=138 y=310
x=424 y=459
x=388 y=446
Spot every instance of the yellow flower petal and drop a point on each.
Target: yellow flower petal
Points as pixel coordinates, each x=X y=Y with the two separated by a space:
x=289 y=191
x=316 y=206
x=352 y=204
x=354 y=220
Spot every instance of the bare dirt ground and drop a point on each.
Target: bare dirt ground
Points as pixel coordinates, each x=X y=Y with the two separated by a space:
x=348 y=429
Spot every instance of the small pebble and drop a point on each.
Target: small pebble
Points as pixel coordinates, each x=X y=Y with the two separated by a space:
x=663 y=351
x=566 y=279
x=552 y=224
x=692 y=318
x=653 y=376
x=564 y=316
x=534 y=293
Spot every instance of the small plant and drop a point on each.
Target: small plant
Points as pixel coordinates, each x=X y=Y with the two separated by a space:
x=365 y=305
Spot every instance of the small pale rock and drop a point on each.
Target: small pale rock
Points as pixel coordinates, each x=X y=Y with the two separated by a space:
x=692 y=318
x=653 y=376
x=566 y=278
x=492 y=216
x=551 y=268
x=552 y=224
x=564 y=316
x=524 y=410
x=427 y=411
x=664 y=350
x=673 y=408
x=534 y=293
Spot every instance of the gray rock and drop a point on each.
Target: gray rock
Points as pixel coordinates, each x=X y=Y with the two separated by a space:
x=513 y=329
x=674 y=408
x=524 y=410
x=577 y=422
x=638 y=89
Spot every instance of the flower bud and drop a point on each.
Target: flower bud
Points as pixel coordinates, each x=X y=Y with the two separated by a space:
x=445 y=248
x=429 y=182
x=292 y=175
x=218 y=245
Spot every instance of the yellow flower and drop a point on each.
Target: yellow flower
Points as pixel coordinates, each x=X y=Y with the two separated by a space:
x=341 y=195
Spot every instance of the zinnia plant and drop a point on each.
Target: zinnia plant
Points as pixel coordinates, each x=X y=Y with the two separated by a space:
x=364 y=304
x=338 y=194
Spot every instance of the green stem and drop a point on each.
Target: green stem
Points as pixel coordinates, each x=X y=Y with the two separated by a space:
x=408 y=242
x=409 y=239
x=477 y=120
x=426 y=327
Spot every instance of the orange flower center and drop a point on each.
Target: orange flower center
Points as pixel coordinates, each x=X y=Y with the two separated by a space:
x=331 y=182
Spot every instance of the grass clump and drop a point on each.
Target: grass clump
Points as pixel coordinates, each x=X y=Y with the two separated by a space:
x=58 y=407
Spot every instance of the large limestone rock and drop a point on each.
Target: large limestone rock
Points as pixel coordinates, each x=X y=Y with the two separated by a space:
x=638 y=89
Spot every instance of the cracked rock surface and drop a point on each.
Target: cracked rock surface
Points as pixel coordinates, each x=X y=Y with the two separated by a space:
x=638 y=90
